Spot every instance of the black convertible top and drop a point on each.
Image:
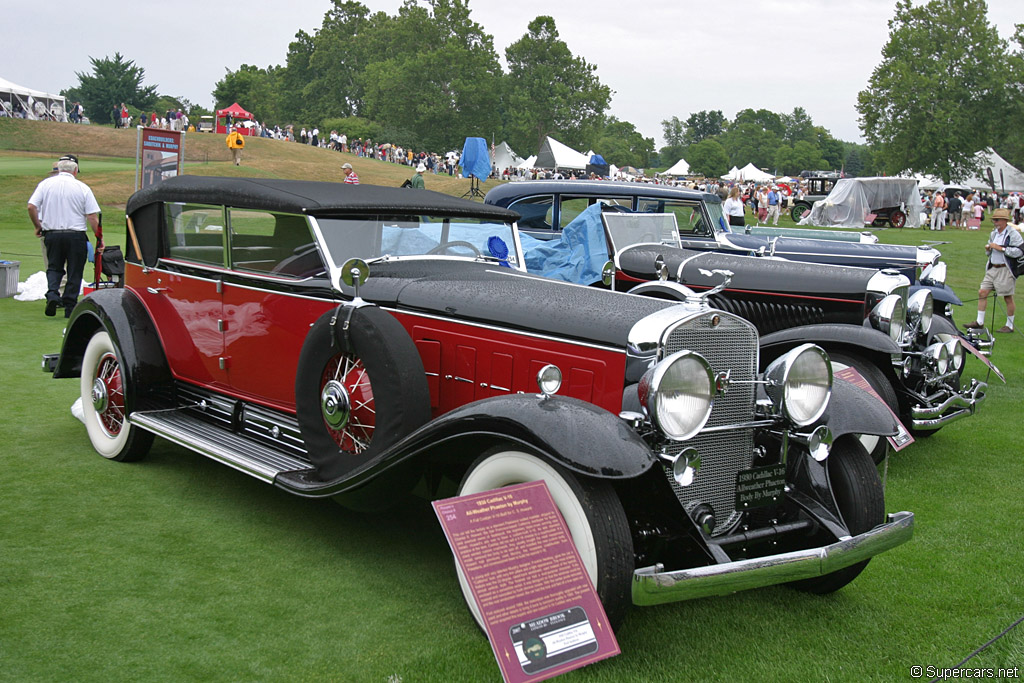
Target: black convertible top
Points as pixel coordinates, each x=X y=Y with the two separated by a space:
x=311 y=197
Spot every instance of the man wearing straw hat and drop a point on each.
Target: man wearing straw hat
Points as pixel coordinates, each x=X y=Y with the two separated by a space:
x=1003 y=243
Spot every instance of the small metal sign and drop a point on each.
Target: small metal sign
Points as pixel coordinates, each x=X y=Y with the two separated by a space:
x=760 y=486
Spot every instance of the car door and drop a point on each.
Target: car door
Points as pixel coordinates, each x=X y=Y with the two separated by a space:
x=266 y=313
x=183 y=292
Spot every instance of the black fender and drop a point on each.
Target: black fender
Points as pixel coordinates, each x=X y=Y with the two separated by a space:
x=575 y=434
x=943 y=325
x=940 y=293
x=143 y=361
x=852 y=410
x=867 y=339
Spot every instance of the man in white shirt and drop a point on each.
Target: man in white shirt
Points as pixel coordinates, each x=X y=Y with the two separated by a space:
x=62 y=208
x=1002 y=243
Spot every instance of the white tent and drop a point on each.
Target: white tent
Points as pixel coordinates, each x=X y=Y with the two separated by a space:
x=751 y=172
x=528 y=163
x=503 y=157
x=733 y=174
x=1006 y=176
x=35 y=104
x=553 y=154
x=680 y=168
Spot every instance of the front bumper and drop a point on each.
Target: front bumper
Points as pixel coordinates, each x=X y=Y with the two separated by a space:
x=654 y=586
x=926 y=418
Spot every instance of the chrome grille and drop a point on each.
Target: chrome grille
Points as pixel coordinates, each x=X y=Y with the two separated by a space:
x=722 y=455
x=731 y=345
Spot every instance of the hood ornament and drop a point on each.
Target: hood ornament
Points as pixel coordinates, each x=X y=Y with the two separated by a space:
x=726 y=280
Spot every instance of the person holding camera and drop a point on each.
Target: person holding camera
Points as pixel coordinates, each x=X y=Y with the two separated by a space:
x=1003 y=243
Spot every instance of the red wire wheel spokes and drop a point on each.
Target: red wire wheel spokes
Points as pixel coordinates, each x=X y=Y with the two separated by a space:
x=108 y=395
x=346 y=374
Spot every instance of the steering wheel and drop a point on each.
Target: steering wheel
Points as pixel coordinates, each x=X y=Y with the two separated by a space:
x=442 y=248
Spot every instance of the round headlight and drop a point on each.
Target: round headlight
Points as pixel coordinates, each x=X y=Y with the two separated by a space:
x=890 y=317
x=935 y=273
x=919 y=311
x=955 y=353
x=938 y=356
x=800 y=383
x=677 y=394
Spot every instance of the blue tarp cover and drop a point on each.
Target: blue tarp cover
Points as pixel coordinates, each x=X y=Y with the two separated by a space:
x=475 y=160
x=598 y=160
x=577 y=255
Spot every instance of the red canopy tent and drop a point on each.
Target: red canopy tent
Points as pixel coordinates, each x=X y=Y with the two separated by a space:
x=237 y=113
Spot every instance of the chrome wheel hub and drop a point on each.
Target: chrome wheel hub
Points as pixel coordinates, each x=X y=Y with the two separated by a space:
x=335 y=404
x=99 y=395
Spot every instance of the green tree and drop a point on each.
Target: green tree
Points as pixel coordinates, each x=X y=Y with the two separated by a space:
x=749 y=142
x=802 y=156
x=254 y=88
x=621 y=144
x=327 y=70
x=766 y=121
x=670 y=154
x=704 y=124
x=798 y=126
x=832 y=151
x=853 y=166
x=112 y=81
x=708 y=158
x=1007 y=139
x=549 y=91
x=674 y=131
x=939 y=91
x=453 y=72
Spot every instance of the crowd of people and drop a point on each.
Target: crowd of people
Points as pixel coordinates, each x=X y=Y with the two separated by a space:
x=966 y=209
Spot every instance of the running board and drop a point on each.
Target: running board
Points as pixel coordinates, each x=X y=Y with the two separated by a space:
x=234 y=450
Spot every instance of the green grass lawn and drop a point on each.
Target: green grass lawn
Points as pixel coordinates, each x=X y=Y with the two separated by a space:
x=177 y=568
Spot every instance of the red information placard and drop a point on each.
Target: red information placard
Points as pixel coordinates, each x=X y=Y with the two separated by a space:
x=903 y=437
x=541 y=613
x=161 y=155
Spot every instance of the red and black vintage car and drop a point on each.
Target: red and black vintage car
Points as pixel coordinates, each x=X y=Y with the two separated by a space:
x=354 y=341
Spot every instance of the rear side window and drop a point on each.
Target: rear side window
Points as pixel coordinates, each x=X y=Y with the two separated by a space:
x=195 y=233
x=535 y=211
x=273 y=243
x=571 y=207
x=688 y=214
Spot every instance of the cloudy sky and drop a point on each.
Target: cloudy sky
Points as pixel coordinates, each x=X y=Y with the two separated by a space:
x=662 y=58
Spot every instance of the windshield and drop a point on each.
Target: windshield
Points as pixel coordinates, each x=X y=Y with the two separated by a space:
x=717 y=217
x=377 y=237
x=627 y=229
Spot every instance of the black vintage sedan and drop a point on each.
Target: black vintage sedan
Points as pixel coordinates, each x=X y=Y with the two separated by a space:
x=548 y=206
x=866 y=319
x=355 y=341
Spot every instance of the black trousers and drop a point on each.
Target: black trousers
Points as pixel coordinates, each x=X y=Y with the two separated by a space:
x=65 y=252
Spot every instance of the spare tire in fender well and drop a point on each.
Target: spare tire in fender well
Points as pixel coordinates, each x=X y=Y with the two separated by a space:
x=397 y=382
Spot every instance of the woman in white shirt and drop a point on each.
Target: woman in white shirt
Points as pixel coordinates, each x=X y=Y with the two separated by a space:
x=733 y=207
